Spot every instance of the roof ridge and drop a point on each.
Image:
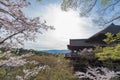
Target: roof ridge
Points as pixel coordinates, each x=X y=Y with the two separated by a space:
x=107 y=29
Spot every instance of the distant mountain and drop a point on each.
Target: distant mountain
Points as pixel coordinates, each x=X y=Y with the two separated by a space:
x=56 y=51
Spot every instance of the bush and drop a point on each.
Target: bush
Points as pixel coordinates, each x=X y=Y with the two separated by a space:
x=2 y=72
x=57 y=68
x=112 y=53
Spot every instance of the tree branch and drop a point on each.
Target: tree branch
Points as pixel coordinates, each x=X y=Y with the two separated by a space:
x=111 y=5
x=92 y=6
x=112 y=20
x=1 y=42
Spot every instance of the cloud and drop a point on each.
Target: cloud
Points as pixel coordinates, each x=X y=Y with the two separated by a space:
x=68 y=26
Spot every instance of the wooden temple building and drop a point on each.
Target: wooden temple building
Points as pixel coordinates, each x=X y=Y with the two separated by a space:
x=83 y=47
x=95 y=40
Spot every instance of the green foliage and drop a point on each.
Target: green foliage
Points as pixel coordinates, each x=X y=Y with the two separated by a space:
x=1 y=52
x=10 y=73
x=118 y=37
x=3 y=58
x=105 y=2
x=117 y=78
x=110 y=38
x=2 y=49
x=111 y=64
x=98 y=49
x=2 y=72
x=44 y=60
x=56 y=73
x=29 y=66
x=16 y=71
x=110 y=53
x=57 y=68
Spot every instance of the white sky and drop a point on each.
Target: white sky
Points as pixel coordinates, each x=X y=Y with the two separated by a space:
x=68 y=25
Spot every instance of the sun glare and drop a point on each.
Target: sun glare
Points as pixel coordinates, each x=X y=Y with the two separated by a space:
x=68 y=25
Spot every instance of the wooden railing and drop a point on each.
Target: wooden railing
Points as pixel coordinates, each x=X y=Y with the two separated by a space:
x=71 y=55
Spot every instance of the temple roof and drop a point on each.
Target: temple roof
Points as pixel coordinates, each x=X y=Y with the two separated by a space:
x=114 y=29
x=96 y=39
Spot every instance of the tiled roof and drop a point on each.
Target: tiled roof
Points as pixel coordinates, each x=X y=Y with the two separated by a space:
x=114 y=29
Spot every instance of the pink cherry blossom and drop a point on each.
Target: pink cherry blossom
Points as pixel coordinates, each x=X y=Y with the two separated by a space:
x=15 y=27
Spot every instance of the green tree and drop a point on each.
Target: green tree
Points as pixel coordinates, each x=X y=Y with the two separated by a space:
x=110 y=38
x=110 y=52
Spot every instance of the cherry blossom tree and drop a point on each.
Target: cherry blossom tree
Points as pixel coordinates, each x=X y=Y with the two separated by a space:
x=98 y=73
x=15 y=27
